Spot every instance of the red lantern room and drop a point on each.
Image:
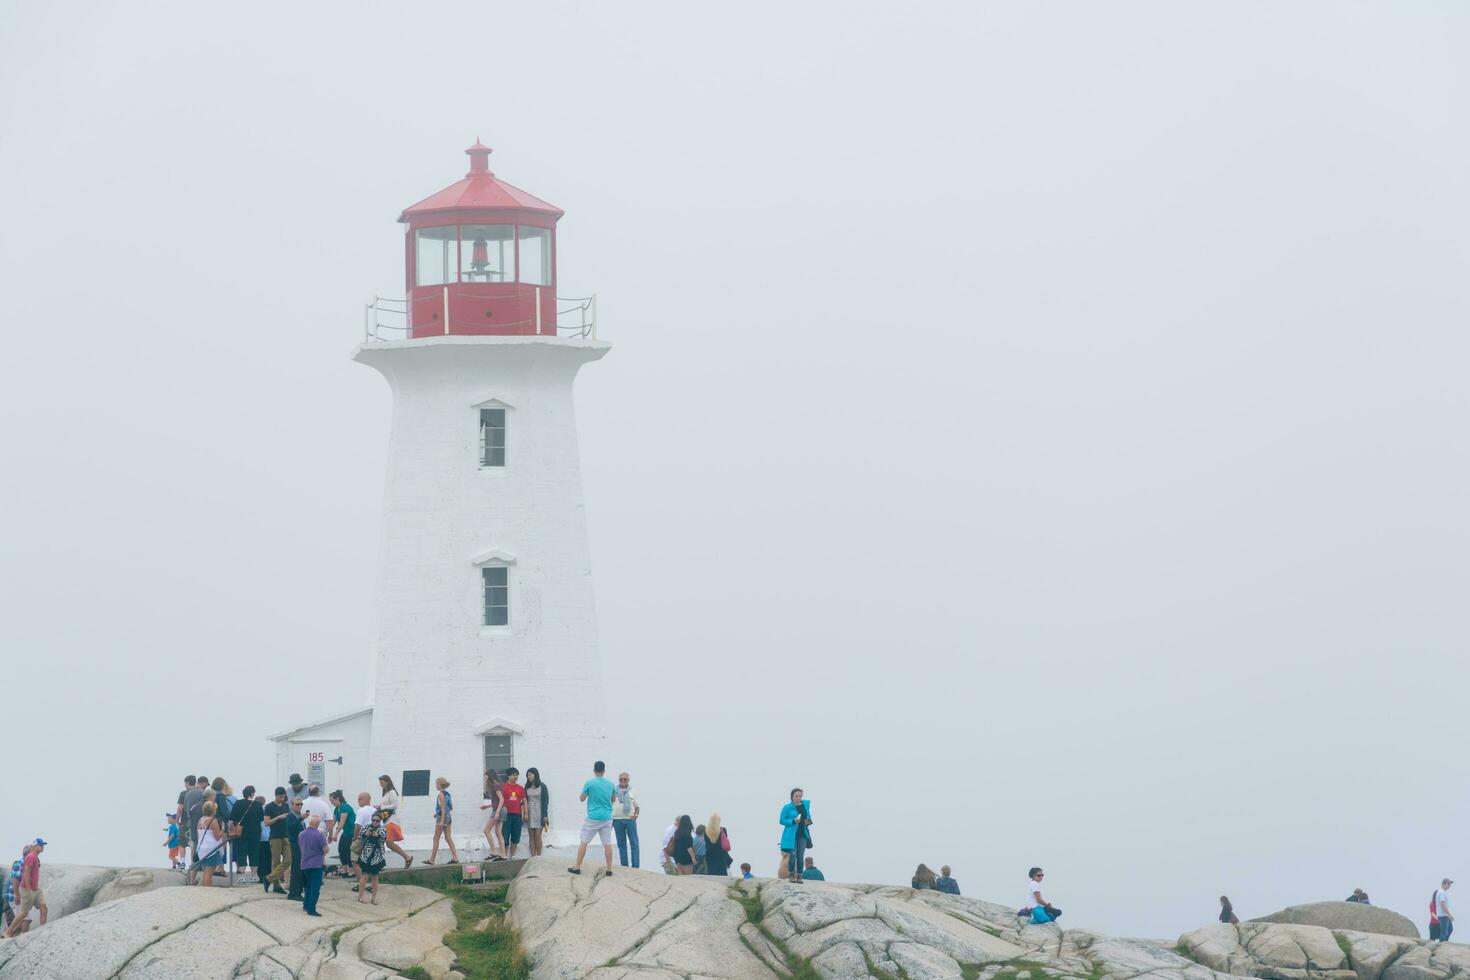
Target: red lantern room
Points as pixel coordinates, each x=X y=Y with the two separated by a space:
x=481 y=258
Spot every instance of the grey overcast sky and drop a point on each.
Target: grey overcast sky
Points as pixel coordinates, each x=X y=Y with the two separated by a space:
x=1036 y=429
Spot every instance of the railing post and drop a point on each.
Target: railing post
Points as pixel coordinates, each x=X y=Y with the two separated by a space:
x=446 y=310
x=538 y=310
x=594 y=316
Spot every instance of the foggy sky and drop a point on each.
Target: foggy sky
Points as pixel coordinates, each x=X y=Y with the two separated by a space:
x=1037 y=430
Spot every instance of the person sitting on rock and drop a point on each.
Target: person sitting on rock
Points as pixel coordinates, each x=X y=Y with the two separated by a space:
x=945 y=883
x=924 y=879
x=1037 y=907
x=745 y=874
x=812 y=872
x=1227 y=912
x=1359 y=896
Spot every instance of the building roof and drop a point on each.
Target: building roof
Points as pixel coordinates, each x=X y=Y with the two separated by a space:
x=319 y=723
x=480 y=189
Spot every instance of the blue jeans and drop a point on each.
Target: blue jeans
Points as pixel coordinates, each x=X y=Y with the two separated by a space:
x=627 y=833
x=313 y=881
x=796 y=863
x=1446 y=926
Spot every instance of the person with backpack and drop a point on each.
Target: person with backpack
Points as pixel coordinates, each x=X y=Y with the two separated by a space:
x=717 y=848
x=796 y=817
x=443 y=822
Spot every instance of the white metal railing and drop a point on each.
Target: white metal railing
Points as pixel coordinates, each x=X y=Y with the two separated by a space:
x=386 y=318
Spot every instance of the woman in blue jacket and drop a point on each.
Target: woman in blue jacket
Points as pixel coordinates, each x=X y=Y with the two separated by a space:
x=796 y=817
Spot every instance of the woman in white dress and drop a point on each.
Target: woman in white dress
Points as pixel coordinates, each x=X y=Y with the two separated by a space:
x=388 y=806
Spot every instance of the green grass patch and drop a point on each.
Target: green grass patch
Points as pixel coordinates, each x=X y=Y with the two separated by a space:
x=492 y=953
x=415 y=973
x=755 y=913
x=1183 y=950
x=1344 y=945
x=971 y=971
x=337 y=935
x=754 y=910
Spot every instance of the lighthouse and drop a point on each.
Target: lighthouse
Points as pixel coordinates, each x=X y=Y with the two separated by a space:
x=486 y=652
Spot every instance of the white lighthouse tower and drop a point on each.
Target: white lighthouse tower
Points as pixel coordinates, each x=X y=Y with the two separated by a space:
x=486 y=654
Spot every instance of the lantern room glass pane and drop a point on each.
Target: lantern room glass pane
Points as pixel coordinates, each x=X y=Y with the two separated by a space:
x=435 y=252
x=535 y=255
x=487 y=253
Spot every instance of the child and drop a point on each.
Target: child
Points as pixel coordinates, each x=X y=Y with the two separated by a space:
x=175 y=848
x=745 y=874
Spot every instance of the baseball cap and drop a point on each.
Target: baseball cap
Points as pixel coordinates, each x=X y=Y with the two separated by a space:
x=40 y=841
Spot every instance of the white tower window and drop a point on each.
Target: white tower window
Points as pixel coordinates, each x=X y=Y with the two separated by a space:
x=497 y=595
x=492 y=437
x=499 y=753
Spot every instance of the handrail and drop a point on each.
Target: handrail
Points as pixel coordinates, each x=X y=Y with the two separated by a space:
x=378 y=318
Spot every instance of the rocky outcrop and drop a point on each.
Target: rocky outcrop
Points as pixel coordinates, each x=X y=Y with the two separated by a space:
x=222 y=933
x=642 y=925
x=1278 y=951
x=1353 y=916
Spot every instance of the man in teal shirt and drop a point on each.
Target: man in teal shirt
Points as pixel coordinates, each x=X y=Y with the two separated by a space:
x=812 y=873
x=597 y=793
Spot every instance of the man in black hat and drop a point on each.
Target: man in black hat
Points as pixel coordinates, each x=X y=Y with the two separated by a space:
x=298 y=788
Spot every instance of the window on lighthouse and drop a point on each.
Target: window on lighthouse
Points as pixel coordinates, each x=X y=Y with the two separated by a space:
x=535 y=252
x=497 y=595
x=499 y=753
x=436 y=256
x=487 y=253
x=492 y=437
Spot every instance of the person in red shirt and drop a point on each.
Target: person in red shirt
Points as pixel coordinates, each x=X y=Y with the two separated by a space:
x=513 y=794
x=28 y=895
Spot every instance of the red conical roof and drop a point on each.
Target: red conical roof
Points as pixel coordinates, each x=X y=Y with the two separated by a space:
x=480 y=189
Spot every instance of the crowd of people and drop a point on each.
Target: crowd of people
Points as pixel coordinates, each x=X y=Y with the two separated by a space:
x=283 y=841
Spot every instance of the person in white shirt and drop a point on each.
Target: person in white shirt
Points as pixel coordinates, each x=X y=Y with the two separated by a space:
x=1035 y=905
x=365 y=809
x=663 y=848
x=389 y=805
x=1442 y=910
x=315 y=805
x=625 y=819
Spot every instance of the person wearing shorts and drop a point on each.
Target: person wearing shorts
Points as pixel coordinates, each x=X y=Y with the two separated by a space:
x=597 y=793
x=28 y=895
x=513 y=803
